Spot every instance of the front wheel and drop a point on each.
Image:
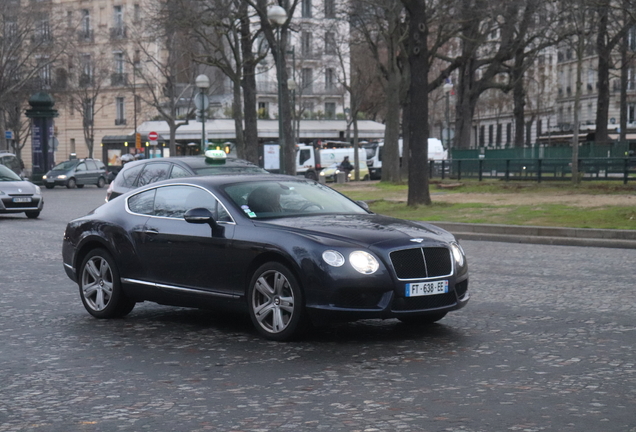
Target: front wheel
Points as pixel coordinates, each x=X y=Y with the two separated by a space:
x=50 y=186
x=32 y=214
x=276 y=302
x=71 y=183
x=100 y=286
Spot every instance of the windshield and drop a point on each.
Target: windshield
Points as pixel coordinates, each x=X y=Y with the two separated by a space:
x=7 y=175
x=65 y=166
x=289 y=198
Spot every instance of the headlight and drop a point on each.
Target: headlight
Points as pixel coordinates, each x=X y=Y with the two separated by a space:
x=38 y=191
x=61 y=176
x=363 y=262
x=333 y=258
x=44 y=177
x=458 y=254
x=337 y=171
x=1 y=193
x=322 y=173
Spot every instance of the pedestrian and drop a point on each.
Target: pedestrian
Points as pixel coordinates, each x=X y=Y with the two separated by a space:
x=346 y=166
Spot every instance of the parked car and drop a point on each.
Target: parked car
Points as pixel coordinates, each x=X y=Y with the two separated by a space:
x=143 y=172
x=77 y=173
x=18 y=195
x=12 y=162
x=287 y=249
x=331 y=172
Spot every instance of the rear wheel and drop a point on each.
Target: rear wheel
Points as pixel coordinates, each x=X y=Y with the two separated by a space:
x=276 y=302
x=100 y=286
x=424 y=319
x=101 y=182
x=32 y=214
x=311 y=175
x=71 y=183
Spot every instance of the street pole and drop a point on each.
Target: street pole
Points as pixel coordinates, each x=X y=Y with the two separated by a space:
x=202 y=125
x=281 y=135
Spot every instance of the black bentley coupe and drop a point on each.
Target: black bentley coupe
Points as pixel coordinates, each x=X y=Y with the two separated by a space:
x=289 y=250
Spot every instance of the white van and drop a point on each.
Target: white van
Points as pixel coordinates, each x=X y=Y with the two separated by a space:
x=374 y=155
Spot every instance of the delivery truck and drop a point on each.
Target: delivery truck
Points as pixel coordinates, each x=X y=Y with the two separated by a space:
x=310 y=159
x=375 y=150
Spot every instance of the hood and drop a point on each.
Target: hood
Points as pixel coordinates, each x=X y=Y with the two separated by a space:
x=18 y=187
x=362 y=229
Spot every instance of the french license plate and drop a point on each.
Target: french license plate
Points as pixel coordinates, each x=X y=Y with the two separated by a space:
x=21 y=199
x=426 y=288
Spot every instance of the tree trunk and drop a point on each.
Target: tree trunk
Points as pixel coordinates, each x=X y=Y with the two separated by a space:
x=237 y=114
x=519 y=100
x=418 y=108
x=249 y=88
x=580 y=51
x=391 y=156
x=604 y=63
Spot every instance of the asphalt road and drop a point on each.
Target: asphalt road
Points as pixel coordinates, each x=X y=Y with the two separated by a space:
x=547 y=343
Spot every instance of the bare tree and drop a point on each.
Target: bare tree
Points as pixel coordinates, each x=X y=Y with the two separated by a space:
x=224 y=38
x=32 y=39
x=83 y=88
x=163 y=69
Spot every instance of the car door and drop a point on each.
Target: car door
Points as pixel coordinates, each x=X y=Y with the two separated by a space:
x=91 y=172
x=188 y=256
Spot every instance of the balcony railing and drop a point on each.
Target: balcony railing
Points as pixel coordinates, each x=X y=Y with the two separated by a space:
x=271 y=87
x=119 y=79
x=85 y=36
x=118 y=32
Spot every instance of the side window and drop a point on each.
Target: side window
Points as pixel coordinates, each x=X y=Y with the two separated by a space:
x=126 y=178
x=304 y=155
x=153 y=172
x=174 y=201
x=143 y=203
x=178 y=172
x=100 y=166
x=81 y=167
x=90 y=165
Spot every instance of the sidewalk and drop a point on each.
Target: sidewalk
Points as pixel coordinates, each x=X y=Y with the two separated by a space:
x=542 y=235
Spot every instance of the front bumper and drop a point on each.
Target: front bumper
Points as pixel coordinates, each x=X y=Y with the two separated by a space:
x=356 y=304
x=8 y=206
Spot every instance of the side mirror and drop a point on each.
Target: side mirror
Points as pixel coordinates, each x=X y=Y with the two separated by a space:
x=364 y=205
x=202 y=215
x=199 y=216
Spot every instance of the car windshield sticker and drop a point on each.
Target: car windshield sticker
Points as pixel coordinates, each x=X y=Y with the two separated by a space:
x=251 y=214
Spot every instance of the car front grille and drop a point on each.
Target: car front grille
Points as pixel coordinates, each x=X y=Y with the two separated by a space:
x=421 y=263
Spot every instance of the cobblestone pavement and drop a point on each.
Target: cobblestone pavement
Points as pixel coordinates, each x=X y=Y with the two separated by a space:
x=546 y=344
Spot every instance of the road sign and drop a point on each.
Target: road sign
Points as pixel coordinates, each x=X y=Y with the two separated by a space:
x=138 y=140
x=152 y=136
x=8 y=135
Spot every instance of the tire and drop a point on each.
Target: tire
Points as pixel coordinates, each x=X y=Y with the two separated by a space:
x=423 y=320
x=366 y=178
x=32 y=214
x=101 y=182
x=275 y=302
x=311 y=175
x=71 y=183
x=79 y=186
x=100 y=286
x=50 y=186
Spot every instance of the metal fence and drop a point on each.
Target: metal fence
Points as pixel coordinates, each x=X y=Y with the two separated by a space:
x=535 y=169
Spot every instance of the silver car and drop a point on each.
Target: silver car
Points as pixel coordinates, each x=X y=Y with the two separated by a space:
x=19 y=196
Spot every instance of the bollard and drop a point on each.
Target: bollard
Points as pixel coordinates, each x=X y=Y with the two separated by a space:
x=341 y=177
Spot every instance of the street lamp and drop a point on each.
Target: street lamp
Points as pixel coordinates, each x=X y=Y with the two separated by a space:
x=203 y=83
x=277 y=16
x=448 y=87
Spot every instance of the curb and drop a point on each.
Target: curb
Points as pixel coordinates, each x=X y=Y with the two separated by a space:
x=590 y=237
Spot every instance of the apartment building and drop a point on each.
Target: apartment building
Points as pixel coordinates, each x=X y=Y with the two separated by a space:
x=318 y=61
